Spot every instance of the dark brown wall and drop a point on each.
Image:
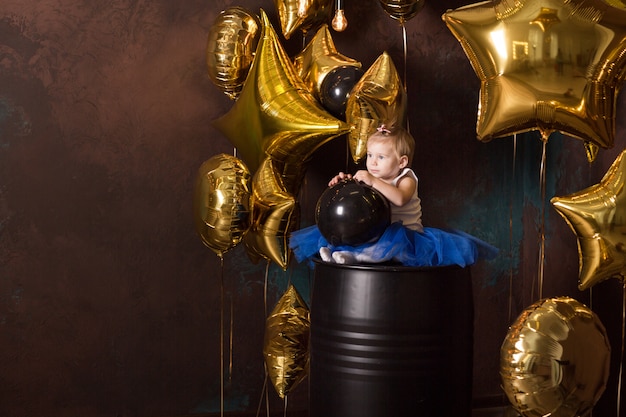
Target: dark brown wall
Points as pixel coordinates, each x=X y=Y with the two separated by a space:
x=109 y=302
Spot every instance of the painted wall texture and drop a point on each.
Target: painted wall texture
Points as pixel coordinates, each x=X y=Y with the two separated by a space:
x=109 y=303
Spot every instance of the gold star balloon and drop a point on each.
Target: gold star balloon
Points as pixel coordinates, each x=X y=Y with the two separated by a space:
x=276 y=113
x=286 y=342
x=547 y=65
x=378 y=97
x=319 y=58
x=597 y=215
x=304 y=15
x=616 y=3
x=555 y=359
x=274 y=216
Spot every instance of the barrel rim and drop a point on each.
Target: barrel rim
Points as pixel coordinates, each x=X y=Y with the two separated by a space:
x=388 y=267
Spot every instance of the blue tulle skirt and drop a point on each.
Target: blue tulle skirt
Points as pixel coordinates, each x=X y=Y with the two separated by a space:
x=432 y=247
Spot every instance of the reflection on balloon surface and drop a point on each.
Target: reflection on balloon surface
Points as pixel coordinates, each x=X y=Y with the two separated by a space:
x=221 y=205
x=231 y=44
x=555 y=359
x=378 y=97
x=597 y=215
x=286 y=342
x=545 y=65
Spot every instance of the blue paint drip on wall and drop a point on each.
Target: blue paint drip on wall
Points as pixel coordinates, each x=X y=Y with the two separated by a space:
x=507 y=186
x=5 y=111
x=13 y=121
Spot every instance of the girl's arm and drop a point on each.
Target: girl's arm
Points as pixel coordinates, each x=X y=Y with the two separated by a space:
x=397 y=195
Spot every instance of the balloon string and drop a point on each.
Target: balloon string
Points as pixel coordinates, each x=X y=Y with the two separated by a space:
x=511 y=230
x=621 y=361
x=347 y=152
x=542 y=226
x=221 y=336
x=405 y=53
x=258 y=410
x=405 y=63
x=230 y=341
x=285 y=407
x=267 y=269
x=264 y=391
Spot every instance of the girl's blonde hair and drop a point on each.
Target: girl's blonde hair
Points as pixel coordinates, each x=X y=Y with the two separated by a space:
x=402 y=141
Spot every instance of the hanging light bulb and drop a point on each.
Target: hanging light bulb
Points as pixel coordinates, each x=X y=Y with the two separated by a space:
x=339 y=23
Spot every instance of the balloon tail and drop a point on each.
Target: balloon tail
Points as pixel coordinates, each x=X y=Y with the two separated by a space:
x=285 y=407
x=542 y=225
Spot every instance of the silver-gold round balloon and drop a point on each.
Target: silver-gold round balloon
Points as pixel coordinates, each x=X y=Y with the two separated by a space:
x=231 y=45
x=555 y=359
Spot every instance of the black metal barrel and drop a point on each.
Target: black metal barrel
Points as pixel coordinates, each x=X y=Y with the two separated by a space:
x=391 y=341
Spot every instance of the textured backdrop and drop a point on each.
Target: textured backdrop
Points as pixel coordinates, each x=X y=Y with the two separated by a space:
x=109 y=302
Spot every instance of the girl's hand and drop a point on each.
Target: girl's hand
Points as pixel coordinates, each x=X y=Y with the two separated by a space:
x=365 y=177
x=338 y=178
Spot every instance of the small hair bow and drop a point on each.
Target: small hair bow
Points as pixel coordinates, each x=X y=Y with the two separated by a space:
x=383 y=129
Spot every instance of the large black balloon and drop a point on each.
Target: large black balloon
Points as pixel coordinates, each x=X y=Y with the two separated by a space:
x=352 y=213
x=336 y=88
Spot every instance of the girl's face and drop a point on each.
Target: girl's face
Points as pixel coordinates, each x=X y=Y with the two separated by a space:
x=383 y=161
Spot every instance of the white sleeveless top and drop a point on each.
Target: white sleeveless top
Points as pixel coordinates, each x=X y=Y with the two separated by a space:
x=411 y=213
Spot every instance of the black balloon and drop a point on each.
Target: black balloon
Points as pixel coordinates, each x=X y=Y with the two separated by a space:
x=336 y=88
x=352 y=213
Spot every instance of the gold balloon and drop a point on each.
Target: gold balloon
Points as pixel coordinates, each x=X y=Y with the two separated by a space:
x=402 y=10
x=616 y=3
x=221 y=202
x=555 y=359
x=591 y=150
x=318 y=59
x=276 y=125
x=547 y=66
x=378 y=97
x=231 y=43
x=597 y=215
x=302 y=14
x=274 y=216
x=276 y=115
x=286 y=342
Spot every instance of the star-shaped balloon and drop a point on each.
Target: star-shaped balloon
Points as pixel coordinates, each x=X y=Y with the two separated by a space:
x=286 y=342
x=597 y=215
x=617 y=3
x=302 y=14
x=319 y=58
x=378 y=97
x=547 y=65
x=276 y=125
x=274 y=215
x=276 y=115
